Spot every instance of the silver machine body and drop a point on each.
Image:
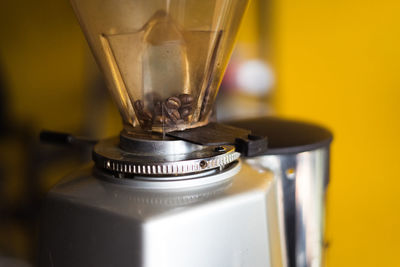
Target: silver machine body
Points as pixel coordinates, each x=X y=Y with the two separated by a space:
x=264 y=211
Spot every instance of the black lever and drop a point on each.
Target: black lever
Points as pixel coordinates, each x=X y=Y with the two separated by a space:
x=247 y=144
x=58 y=138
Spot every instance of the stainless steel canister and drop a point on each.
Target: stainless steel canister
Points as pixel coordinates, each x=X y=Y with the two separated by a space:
x=299 y=157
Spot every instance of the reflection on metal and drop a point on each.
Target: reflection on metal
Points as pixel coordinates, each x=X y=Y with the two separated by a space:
x=302 y=180
x=174 y=182
x=231 y=222
x=108 y=155
x=265 y=211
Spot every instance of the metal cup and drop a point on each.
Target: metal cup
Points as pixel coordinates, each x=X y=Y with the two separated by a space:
x=299 y=158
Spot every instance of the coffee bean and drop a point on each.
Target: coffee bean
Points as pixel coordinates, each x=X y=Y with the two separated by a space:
x=185 y=111
x=186 y=100
x=164 y=120
x=158 y=108
x=165 y=110
x=173 y=102
x=146 y=115
x=175 y=115
x=159 y=119
x=139 y=105
x=145 y=123
x=167 y=121
x=174 y=110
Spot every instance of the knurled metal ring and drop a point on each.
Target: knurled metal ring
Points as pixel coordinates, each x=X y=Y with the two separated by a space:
x=108 y=156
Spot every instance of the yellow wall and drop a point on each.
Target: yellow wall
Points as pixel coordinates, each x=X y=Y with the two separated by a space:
x=42 y=53
x=338 y=64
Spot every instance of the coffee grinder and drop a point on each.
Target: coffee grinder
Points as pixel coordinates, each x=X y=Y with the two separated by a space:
x=177 y=188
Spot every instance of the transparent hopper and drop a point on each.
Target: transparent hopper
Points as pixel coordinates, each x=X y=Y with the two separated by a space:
x=163 y=59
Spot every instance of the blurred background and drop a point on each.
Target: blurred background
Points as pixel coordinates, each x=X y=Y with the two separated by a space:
x=335 y=63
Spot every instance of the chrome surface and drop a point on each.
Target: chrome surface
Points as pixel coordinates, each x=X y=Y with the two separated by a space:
x=149 y=143
x=109 y=156
x=176 y=182
x=261 y=211
x=301 y=182
x=228 y=223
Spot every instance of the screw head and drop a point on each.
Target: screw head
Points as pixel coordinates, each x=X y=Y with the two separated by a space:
x=203 y=164
x=290 y=173
x=219 y=149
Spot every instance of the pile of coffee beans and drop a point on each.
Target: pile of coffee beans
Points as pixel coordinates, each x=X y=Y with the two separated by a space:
x=168 y=112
